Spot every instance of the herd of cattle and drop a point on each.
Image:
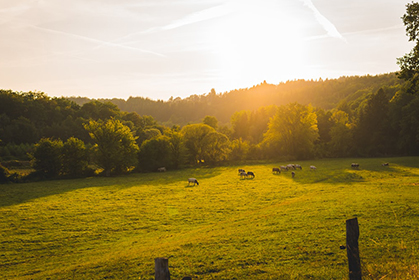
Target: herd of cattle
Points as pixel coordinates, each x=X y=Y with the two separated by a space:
x=276 y=170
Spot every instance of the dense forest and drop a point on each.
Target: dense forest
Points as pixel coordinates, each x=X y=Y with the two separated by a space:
x=325 y=94
x=345 y=117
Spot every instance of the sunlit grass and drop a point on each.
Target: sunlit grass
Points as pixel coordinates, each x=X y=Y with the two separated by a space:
x=269 y=227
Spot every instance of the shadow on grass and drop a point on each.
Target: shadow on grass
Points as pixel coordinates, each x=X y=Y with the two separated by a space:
x=13 y=194
x=339 y=171
x=333 y=171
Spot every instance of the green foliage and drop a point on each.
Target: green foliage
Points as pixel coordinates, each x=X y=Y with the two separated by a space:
x=115 y=149
x=13 y=151
x=405 y=109
x=211 y=121
x=74 y=158
x=341 y=134
x=409 y=63
x=204 y=144
x=99 y=111
x=373 y=133
x=216 y=147
x=4 y=174
x=155 y=153
x=239 y=150
x=292 y=132
x=375 y=126
x=270 y=227
x=176 y=148
x=47 y=157
x=240 y=122
x=325 y=94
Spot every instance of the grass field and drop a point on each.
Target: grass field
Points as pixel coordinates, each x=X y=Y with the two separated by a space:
x=269 y=227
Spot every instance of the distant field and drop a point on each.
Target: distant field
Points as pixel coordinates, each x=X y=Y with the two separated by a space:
x=269 y=227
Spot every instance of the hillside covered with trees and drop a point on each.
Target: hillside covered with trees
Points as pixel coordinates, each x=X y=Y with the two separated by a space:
x=325 y=94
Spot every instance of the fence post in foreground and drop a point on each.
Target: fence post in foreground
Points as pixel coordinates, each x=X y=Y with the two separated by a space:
x=352 y=250
x=161 y=269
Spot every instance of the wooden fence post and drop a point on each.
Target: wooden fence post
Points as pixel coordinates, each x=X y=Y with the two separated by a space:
x=161 y=269
x=352 y=250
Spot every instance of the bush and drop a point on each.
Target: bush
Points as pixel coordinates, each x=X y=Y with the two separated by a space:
x=47 y=157
x=4 y=174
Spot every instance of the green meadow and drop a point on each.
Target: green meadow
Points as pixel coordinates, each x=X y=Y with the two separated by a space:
x=269 y=227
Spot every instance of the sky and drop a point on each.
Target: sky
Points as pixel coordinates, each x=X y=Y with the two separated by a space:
x=177 y=48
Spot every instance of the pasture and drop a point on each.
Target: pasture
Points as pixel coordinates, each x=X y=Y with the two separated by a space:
x=270 y=227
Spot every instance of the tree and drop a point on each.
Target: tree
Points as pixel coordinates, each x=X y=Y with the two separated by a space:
x=99 y=111
x=47 y=157
x=4 y=174
x=74 y=157
x=341 y=135
x=292 y=131
x=409 y=63
x=146 y=134
x=258 y=122
x=405 y=120
x=239 y=149
x=204 y=144
x=211 y=121
x=154 y=153
x=241 y=125
x=193 y=138
x=217 y=147
x=176 y=148
x=373 y=132
x=115 y=149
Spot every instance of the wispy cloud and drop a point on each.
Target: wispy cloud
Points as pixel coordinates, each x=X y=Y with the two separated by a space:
x=207 y=14
x=200 y=16
x=324 y=22
x=99 y=42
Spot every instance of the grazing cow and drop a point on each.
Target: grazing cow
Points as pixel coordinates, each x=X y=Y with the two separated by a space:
x=193 y=180
x=243 y=174
x=276 y=170
x=241 y=170
x=385 y=164
x=161 y=169
x=293 y=174
x=312 y=167
x=283 y=168
x=297 y=166
x=250 y=173
x=355 y=165
x=291 y=166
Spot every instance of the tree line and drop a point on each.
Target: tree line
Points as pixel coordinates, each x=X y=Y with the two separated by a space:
x=68 y=140
x=326 y=94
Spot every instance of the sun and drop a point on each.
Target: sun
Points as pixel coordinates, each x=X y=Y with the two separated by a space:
x=257 y=42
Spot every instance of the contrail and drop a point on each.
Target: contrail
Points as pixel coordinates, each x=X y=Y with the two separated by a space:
x=203 y=15
x=207 y=14
x=100 y=42
x=324 y=22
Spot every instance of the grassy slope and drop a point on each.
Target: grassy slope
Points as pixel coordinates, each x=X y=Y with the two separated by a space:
x=271 y=227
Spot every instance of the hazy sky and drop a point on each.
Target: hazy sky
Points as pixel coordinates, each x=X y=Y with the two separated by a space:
x=164 y=48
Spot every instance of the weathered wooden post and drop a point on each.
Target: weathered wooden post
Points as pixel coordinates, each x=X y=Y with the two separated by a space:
x=161 y=269
x=352 y=250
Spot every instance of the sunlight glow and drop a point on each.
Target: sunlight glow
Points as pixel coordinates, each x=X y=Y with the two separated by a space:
x=257 y=42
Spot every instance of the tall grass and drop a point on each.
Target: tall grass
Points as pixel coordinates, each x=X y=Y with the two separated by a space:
x=269 y=227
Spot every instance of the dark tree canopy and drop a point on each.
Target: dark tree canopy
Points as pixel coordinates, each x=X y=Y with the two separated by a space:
x=409 y=63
